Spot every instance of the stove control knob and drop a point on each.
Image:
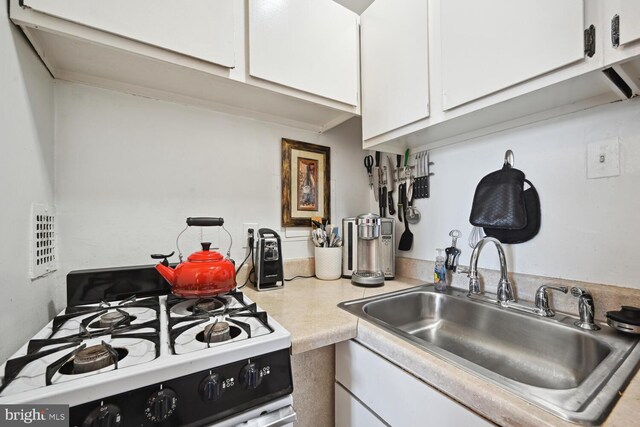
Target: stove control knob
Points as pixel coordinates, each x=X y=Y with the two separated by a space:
x=103 y=416
x=211 y=388
x=161 y=405
x=251 y=376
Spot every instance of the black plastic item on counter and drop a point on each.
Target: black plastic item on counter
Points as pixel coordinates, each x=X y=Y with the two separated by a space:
x=533 y=214
x=627 y=314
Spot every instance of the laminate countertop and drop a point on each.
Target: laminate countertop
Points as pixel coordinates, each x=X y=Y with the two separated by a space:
x=308 y=309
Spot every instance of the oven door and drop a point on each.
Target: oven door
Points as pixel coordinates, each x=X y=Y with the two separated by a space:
x=278 y=413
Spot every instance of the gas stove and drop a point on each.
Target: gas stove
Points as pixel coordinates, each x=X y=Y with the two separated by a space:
x=146 y=360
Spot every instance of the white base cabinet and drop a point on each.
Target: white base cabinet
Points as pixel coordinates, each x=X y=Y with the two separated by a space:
x=372 y=391
x=350 y=412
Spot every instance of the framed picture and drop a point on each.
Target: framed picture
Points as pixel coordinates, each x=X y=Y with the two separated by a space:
x=305 y=183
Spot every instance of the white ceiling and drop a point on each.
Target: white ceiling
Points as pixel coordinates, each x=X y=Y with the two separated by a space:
x=358 y=6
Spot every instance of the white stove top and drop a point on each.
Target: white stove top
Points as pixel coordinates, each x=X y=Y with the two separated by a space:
x=143 y=363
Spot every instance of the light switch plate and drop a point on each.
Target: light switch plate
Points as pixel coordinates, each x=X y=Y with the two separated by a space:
x=603 y=159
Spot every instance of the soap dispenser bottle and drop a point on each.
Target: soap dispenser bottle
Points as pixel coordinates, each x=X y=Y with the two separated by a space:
x=440 y=272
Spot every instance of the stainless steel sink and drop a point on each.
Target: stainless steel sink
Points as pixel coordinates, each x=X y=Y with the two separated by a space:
x=570 y=372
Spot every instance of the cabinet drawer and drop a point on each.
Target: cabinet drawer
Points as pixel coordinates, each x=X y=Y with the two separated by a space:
x=397 y=397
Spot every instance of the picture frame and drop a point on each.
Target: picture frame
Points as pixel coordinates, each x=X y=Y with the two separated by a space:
x=306 y=173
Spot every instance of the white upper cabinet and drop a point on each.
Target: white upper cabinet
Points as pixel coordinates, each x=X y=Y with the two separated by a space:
x=203 y=29
x=622 y=38
x=395 y=65
x=489 y=46
x=309 y=45
x=629 y=21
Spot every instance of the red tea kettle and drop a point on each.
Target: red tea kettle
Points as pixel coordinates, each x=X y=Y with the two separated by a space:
x=206 y=273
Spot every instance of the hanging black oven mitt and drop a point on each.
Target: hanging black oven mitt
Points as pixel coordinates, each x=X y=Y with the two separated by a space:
x=534 y=214
x=499 y=200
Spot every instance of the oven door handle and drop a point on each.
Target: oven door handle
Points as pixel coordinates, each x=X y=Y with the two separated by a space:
x=278 y=418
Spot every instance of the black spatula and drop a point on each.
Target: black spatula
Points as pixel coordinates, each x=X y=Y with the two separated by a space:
x=406 y=239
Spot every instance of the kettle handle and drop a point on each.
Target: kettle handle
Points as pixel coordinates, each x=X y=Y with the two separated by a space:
x=164 y=262
x=205 y=221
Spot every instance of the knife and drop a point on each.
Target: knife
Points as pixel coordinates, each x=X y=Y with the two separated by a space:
x=383 y=192
x=376 y=177
x=392 y=186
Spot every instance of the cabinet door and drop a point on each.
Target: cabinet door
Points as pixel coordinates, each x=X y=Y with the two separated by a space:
x=489 y=46
x=395 y=65
x=309 y=45
x=629 y=21
x=199 y=28
x=394 y=395
x=352 y=413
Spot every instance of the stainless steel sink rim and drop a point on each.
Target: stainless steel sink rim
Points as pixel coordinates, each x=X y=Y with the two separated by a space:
x=590 y=402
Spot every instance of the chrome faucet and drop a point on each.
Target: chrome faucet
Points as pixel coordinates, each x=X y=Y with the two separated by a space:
x=585 y=309
x=542 y=300
x=504 y=292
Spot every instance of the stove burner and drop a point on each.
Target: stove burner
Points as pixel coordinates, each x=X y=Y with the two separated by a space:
x=206 y=305
x=106 y=320
x=218 y=332
x=93 y=358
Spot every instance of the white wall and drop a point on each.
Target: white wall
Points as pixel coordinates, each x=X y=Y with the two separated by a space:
x=590 y=228
x=26 y=176
x=131 y=169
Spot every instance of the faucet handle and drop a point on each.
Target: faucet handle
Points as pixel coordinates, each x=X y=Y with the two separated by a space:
x=585 y=309
x=542 y=299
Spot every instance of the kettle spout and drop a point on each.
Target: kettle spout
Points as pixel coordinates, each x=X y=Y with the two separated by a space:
x=167 y=272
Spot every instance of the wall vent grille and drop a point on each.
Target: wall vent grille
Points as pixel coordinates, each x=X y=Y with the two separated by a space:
x=43 y=240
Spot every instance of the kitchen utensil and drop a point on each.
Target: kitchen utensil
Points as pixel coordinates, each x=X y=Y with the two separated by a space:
x=429 y=174
x=421 y=184
x=627 y=319
x=382 y=201
x=391 y=187
x=412 y=214
x=206 y=273
x=417 y=189
x=453 y=253
x=376 y=177
x=368 y=164
x=401 y=197
x=475 y=236
x=406 y=239
x=407 y=170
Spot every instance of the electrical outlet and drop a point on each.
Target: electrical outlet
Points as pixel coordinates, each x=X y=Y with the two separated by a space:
x=245 y=232
x=603 y=159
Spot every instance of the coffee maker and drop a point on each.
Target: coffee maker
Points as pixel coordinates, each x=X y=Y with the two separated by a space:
x=387 y=247
x=269 y=273
x=368 y=271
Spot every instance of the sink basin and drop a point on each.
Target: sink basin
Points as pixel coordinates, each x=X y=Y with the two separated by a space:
x=570 y=372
